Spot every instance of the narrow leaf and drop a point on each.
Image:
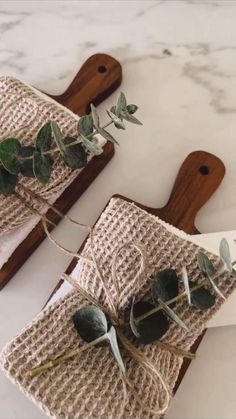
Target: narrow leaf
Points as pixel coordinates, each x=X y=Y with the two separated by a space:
x=132 y=109
x=85 y=125
x=95 y=116
x=165 y=285
x=113 y=109
x=225 y=254
x=58 y=136
x=91 y=146
x=172 y=315
x=42 y=167
x=130 y=118
x=107 y=136
x=121 y=104
x=132 y=321
x=186 y=283
x=117 y=121
x=75 y=156
x=9 y=155
x=8 y=182
x=217 y=290
x=26 y=167
x=90 y=322
x=115 y=348
x=44 y=137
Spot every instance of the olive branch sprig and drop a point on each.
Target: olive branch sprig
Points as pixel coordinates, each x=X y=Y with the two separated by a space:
x=37 y=161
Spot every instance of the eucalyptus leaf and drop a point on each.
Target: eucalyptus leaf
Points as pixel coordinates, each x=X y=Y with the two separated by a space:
x=85 y=125
x=42 y=166
x=132 y=321
x=117 y=121
x=225 y=254
x=217 y=290
x=173 y=315
x=205 y=265
x=58 y=136
x=154 y=326
x=113 y=109
x=44 y=137
x=165 y=285
x=8 y=182
x=91 y=146
x=121 y=104
x=128 y=117
x=186 y=284
x=105 y=134
x=202 y=298
x=75 y=156
x=90 y=322
x=132 y=109
x=95 y=116
x=9 y=155
x=26 y=167
x=115 y=348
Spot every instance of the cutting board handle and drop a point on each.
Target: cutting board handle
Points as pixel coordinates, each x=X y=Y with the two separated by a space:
x=99 y=76
x=199 y=176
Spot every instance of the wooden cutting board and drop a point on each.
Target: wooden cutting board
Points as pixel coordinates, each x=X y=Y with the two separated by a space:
x=96 y=80
x=199 y=176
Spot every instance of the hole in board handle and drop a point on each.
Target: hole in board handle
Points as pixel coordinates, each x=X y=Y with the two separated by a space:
x=204 y=170
x=102 y=69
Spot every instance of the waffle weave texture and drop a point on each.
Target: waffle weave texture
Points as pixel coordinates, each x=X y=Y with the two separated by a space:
x=23 y=112
x=89 y=386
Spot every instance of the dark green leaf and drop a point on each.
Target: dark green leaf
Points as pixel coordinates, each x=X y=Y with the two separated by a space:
x=58 y=136
x=115 y=348
x=42 y=167
x=152 y=327
x=8 y=182
x=202 y=298
x=26 y=167
x=44 y=137
x=9 y=154
x=107 y=136
x=132 y=109
x=172 y=315
x=133 y=322
x=95 y=116
x=225 y=254
x=165 y=285
x=91 y=146
x=128 y=117
x=90 y=322
x=121 y=104
x=117 y=121
x=205 y=264
x=75 y=156
x=85 y=125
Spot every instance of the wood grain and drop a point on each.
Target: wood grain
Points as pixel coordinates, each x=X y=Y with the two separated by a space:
x=97 y=79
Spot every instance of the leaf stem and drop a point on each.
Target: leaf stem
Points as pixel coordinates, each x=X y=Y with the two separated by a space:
x=61 y=359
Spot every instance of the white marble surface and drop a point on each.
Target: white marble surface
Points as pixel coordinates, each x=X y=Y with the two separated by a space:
x=187 y=102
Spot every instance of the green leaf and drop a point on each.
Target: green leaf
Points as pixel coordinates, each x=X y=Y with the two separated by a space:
x=186 y=283
x=115 y=348
x=225 y=254
x=173 y=316
x=90 y=322
x=8 y=182
x=95 y=116
x=26 y=167
x=130 y=118
x=152 y=327
x=217 y=290
x=107 y=135
x=44 y=137
x=117 y=121
x=91 y=146
x=85 y=125
x=75 y=156
x=201 y=298
x=42 y=167
x=165 y=285
x=132 y=109
x=113 y=109
x=9 y=155
x=205 y=265
x=58 y=136
x=121 y=104
x=133 y=322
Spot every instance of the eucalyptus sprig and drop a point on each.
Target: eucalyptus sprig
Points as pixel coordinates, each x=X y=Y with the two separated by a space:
x=37 y=160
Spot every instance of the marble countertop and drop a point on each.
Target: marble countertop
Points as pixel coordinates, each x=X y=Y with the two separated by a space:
x=179 y=65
